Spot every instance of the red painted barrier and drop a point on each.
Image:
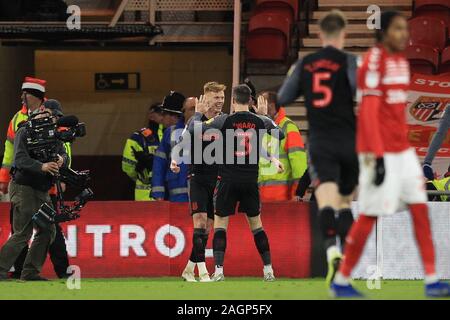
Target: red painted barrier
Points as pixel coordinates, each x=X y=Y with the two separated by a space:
x=136 y=239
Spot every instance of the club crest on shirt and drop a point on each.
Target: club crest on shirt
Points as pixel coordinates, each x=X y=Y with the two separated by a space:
x=427 y=109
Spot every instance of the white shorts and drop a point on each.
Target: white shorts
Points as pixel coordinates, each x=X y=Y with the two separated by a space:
x=403 y=184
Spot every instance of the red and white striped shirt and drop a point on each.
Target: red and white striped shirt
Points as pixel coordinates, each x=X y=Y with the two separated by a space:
x=383 y=82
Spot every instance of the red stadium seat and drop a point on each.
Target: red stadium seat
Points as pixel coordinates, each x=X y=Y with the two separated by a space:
x=271 y=21
x=445 y=61
x=428 y=31
x=423 y=59
x=269 y=33
x=266 y=45
x=291 y=4
x=427 y=3
x=282 y=11
x=441 y=14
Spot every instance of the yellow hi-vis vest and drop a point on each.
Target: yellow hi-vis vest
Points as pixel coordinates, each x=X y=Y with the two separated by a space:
x=282 y=186
x=143 y=185
x=442 y=185
x=8 y=156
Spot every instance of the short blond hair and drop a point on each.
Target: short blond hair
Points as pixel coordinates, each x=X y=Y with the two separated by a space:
x=214 y=87
x=333 y=23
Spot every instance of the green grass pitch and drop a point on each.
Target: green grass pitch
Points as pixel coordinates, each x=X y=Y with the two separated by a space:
x=176 y=289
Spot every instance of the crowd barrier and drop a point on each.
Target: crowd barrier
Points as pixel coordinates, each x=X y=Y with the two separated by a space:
x=138 y=239
x=392 y=252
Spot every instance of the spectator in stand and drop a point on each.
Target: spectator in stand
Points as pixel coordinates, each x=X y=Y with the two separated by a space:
x=442 y=184
x=167 y=185
x=282 y=186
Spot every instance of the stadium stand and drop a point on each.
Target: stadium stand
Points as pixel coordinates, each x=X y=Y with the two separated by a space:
x=270 y=30
x=444 y=67
x=428 y=31
x=423 y=59
x=290 y=5
x=360 y=38
x=267 y=27
x=430 y=26
x=439 y=9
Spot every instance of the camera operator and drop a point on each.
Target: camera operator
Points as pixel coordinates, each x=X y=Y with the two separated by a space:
x=58 y=250
x=29 y=189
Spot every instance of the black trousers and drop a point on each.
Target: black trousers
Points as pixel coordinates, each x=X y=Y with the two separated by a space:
x=57 y=251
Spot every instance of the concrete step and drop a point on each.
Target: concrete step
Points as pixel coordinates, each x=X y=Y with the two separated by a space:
x=355 y=28
x=363 y=42
x=266 y=68
x=353 y=15
x=363 y=3
x=267 y=82
x=297 y=111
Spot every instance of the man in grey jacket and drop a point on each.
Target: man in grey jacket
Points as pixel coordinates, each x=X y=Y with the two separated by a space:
x=29 y=188
x=436 y=143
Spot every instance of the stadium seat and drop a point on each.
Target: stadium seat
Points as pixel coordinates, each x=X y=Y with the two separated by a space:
x=283 y=11
x=291 y=5
x=428 y=31
x=268 y=37
x=271 y=21
x=445 y=61
x=420 y=4
x=440 y=13
x=266 y=45
x=423 y=59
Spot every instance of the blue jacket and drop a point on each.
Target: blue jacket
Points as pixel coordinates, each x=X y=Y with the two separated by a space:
x=166 y=184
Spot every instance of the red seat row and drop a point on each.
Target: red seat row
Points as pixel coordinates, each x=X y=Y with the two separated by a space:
x=430 y=32
x=425 y=59
x=437 y=9
x=433 y=8
x=269 y=31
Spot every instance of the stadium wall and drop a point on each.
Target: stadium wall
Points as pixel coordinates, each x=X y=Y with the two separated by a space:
x=15 y=64
x=135 y=239
x=112 y=116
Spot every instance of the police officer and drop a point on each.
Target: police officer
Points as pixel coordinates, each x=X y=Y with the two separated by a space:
x=168 y=185
x=29 y=189
x=138 y=153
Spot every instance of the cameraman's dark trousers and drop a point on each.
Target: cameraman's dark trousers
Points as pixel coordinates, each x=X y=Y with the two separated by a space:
x=26 y=202
x=57 y=251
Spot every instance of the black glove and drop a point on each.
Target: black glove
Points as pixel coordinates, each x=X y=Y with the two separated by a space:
x=144 y=160
x=380 y=171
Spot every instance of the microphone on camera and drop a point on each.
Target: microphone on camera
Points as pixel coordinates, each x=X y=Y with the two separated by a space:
x=67 y=121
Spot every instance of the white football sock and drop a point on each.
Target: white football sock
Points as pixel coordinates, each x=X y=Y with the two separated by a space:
x=202 y=268
x=190 y=266
x=341 y=280
x=433 y=278
x=219 y=270
x=268 y=269
x=332 y=252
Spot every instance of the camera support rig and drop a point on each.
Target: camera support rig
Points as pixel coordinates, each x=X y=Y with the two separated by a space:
x=43 y=136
